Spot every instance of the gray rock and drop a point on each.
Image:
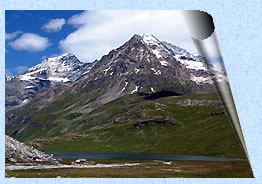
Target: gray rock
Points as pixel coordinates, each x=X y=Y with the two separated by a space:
x=17 y=151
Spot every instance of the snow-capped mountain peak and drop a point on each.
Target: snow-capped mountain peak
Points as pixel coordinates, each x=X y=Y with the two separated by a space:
x=150 y=39
x=51 y=72
x=59 y=69
x=63 y=62
x=164 y=50
x=187 y=59
x=158 y=49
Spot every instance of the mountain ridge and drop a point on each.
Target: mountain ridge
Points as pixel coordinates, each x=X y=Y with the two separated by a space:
x=141 y=66
x=50 y=73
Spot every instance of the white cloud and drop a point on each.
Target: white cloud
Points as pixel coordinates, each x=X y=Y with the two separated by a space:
x=98 y=32
x=43 y=57
x=10 y=36
x=30 y=42
x=54 y=25
x=21 y=69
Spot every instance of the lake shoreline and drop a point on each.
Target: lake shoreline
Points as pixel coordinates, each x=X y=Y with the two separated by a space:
x=134 y=156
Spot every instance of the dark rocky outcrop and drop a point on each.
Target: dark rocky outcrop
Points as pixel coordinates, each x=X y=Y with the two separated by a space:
x=144 y=123
x=216 y=113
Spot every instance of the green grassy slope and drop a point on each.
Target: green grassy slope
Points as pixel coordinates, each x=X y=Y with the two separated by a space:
x=110 y=128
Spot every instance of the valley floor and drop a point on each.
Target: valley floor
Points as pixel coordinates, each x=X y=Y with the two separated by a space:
x=130 y=169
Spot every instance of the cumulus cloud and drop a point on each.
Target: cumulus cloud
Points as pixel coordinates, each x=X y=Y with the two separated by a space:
x=10 y=36
x=98 y=32
x=30 y=42
x=54 y=25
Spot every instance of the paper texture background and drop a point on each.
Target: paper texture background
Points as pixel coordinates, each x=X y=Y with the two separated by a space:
x=238 y=28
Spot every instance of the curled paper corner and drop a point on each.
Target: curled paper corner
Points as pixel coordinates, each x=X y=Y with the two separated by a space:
x=203 y=33
x=200 y=23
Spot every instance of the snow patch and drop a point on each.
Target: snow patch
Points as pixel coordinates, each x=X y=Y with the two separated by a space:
x=164 y=63
x=25 y=101
x=58 y=79
x=26 y=77
x=27 y=87
x=87 y=70
x=84 y=86
x=34 y=72
x=157 y=53
x=201 y=79
x=124 y=86
x=191 y=64
x=106 y=70
x=9 y=78
x=152 y=89
x=156 y=72
x=137 y=70
x=135 y=90
x=150 y=39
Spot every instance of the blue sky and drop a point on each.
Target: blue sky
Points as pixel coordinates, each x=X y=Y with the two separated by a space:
x=21 y=22
x=31 y=36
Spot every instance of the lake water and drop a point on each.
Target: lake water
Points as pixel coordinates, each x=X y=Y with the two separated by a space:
x=133 y=156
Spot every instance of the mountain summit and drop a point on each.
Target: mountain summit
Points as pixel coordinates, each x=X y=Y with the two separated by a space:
x=63 y=68
x=144 y=63
x=50 y=73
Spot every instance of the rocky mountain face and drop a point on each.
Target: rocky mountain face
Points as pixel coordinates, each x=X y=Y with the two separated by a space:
x=143 y=65
x=50 y=73
x=145 y=56
x=17 y=151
